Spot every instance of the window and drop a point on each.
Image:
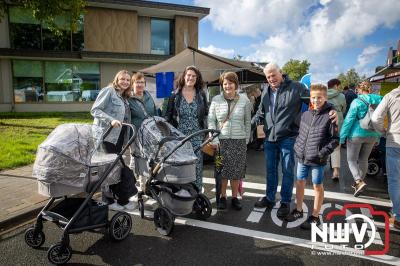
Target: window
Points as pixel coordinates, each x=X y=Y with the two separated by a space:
x=71 y=82
x=161 y=37
x=63 y=81
x=27 y=81
x=25 y=30
x=28 y=33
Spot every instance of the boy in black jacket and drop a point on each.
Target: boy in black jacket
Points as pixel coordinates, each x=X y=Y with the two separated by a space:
x=318 y=137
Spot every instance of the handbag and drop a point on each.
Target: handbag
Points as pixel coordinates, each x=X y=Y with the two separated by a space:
x=208 y=148
x=260 y=132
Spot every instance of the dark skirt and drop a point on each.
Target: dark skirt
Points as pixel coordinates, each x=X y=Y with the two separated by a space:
x=233 y=152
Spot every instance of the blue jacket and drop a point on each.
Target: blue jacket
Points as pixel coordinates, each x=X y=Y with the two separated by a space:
x=358 y=109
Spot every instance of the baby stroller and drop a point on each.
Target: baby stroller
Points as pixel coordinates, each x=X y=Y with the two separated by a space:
x=377 y=159
x=165 y=157
x=69 y=162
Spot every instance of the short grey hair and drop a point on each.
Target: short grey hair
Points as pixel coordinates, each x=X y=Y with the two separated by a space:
x=272 y=66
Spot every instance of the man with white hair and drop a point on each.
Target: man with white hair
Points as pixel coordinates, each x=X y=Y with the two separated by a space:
x=280 y=109
x=390 y=107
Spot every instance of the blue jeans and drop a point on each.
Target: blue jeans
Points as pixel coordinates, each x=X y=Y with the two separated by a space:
x=274 y=151
x=317 y=173
x=393 y=177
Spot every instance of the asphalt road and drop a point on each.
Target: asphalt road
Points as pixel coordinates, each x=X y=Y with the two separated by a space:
x=247 y=237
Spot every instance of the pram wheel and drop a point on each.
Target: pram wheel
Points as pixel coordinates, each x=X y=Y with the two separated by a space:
x=120 y=226
x=202 y=207
x=164 y=221
x=141 y=208
x=59 y=253
x=373 y=167
x=32 y=240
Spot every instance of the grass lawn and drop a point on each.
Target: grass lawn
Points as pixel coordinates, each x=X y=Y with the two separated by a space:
x=21 y=133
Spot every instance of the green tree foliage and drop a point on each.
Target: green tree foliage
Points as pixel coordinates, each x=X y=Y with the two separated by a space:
x=46 y=11
x=350 y=78
x=296 y=68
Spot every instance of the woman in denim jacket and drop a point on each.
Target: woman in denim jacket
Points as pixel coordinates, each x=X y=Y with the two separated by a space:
x=111 y=108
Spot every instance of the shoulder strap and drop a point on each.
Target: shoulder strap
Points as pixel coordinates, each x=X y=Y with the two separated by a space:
x=229 y=112
x=364 y=101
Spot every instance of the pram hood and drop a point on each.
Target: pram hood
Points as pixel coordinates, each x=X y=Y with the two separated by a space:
x=151 y=143
x=67 y=154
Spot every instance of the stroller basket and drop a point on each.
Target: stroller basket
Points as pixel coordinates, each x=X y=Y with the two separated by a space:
x=179 y=200
x=94 y=212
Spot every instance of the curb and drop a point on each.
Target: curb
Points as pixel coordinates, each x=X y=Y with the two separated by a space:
x=21 y=217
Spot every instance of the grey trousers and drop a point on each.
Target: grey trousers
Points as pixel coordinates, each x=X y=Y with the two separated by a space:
x=358 y=151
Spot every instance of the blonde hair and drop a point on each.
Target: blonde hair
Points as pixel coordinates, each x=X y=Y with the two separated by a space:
x=231 y=76
x=114 y=84
x=365 y=86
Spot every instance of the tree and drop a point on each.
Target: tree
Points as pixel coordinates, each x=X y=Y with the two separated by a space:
x=350 y=78
x=296 y=68
x=46 y=11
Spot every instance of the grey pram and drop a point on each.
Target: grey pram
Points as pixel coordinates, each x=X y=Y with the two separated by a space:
x=165 y=157
x=69 y=162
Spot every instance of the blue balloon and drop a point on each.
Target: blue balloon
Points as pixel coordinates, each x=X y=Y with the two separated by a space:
x=306 y=80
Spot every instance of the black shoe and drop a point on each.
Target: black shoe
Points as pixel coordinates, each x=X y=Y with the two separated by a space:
x=294 y=216
x=283 y=210
x=236 y=204
x=222 y=203
x=307 y=224
x=264 y=202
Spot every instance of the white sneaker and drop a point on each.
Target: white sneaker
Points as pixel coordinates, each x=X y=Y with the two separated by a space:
x=116 y=207
x=130 y=206
x=134 y=198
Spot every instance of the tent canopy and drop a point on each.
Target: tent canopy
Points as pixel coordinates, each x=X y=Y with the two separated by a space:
x=210 y=66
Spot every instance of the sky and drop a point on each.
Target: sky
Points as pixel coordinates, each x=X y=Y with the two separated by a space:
x=333 y=35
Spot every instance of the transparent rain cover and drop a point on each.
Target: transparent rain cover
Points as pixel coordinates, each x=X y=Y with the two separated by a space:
x=151 y=133
x=69 y=152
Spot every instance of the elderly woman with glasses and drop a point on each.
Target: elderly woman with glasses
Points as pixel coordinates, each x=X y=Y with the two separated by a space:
x=142 y=105
x=187 y=111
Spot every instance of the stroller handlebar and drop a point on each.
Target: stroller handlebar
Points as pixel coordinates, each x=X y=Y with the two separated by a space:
x=214 y=133
x=131 y=139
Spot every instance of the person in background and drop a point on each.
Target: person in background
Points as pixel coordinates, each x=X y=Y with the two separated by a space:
x=390 y=107
x=111 y=108
x=359 y=141
x=187 y=110
x=141 y=105
x=338 y=100
x=312 y=151
x=350 y=95
x=230 y=112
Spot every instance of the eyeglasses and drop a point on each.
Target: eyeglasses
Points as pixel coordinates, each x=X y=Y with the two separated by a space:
x=139 y=82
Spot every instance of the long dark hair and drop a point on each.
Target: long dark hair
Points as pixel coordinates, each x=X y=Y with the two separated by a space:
x=180 y=83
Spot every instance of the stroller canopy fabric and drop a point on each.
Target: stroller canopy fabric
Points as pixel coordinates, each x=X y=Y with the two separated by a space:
x=151 y=143
x=67 y=154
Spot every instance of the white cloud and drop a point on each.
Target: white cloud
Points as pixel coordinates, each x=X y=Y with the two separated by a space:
x=316 y=31
x=367 y=55
x=228 y=53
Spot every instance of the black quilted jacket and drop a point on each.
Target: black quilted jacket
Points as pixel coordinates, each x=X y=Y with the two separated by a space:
x=317 y=138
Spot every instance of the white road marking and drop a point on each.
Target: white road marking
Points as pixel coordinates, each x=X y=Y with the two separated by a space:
x=310 y=192
x=278 y=238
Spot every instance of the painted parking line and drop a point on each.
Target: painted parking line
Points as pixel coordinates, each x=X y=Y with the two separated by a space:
x=276 y=238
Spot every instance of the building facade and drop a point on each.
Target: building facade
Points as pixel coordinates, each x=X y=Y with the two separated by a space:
x=42 y=71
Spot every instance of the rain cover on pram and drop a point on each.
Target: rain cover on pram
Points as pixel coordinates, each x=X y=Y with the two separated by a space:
x=70 y=158
x=155 y=139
